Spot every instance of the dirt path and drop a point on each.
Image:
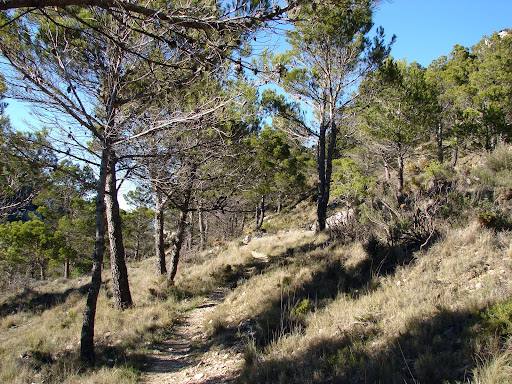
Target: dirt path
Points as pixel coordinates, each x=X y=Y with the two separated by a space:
x=190 y=356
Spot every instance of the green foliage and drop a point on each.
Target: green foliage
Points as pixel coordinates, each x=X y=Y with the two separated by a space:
x=279 y=163
x=497 y=319
x=348 y=182
x=138 y=232
x=31 y=244
x=302 y=308
x=496 y=219
x=398 y=111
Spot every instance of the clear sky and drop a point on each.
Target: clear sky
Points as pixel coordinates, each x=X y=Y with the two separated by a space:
x=425 y=30
x=428 y=29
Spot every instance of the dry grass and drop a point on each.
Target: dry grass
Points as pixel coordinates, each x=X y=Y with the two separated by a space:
x=302 y=216
x=496 y=369
x=310 y=309
x=405 y=324
x=270 y=285
x=39 y=344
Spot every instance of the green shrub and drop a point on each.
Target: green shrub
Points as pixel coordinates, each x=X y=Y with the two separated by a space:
x=497 y=320
x=303 y=307
x=494 y=220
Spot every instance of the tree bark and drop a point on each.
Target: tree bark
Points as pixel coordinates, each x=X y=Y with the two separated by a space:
x=136 y=254
x=400 y=161
x=439 y=139
x=202 y=229
x=66 y=269
x=190 y=236
x=159 y=232
x=182 y=225
x=261 y=213
x=325 y=154
x=176 y=248
x=120 y=285
x=386 y=169
x=42 y=273
x=455 y=155
x=87 y=336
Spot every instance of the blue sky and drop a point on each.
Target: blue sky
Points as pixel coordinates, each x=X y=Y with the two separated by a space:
x=425 y=30
x=428 y=29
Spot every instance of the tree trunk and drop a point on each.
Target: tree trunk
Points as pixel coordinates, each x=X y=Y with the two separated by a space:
x=176 y=247
x=386 y=169
x=159 y=232
x=42 y=271
x=120 y=285
x=202 y=229
x=190 y=236
x=136 y=254
x=325 y=153
x=182 y=225
x=66 y=269
x=261 y=210
x=439 y=140
x=400 y=161
x=87 y=336
x=455 y=155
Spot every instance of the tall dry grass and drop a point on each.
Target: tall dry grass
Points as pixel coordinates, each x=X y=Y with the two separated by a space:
x=40 y=343
x=418 y=322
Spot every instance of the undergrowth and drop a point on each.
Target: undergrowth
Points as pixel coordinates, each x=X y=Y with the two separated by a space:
x=428 y=319
x=40 y=329
x=417 y=290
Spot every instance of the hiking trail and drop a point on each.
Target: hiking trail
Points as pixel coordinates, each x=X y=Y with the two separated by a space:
x=190 y=356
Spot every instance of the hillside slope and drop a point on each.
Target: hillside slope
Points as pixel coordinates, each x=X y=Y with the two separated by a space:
x=304 y=308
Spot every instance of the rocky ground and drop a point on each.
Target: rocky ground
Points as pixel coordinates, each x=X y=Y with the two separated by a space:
x=191 y=356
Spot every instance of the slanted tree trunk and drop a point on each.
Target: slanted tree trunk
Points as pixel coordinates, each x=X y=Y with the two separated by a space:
x=159 y=232
x=455 y=155
x=87 y=336
x=182 y=225
x=120 y=285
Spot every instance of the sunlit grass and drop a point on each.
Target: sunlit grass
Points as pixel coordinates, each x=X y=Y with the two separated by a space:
x=43 y=346
x=396 y=327
x=308 y=308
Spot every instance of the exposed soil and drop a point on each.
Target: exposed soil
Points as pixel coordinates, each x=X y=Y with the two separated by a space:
x=191 y=356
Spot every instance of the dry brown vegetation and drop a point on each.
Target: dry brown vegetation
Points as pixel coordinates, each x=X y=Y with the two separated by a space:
x=309 y=308
x=40 y=328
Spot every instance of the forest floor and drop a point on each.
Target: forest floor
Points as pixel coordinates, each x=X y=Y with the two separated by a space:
x=191 y=355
